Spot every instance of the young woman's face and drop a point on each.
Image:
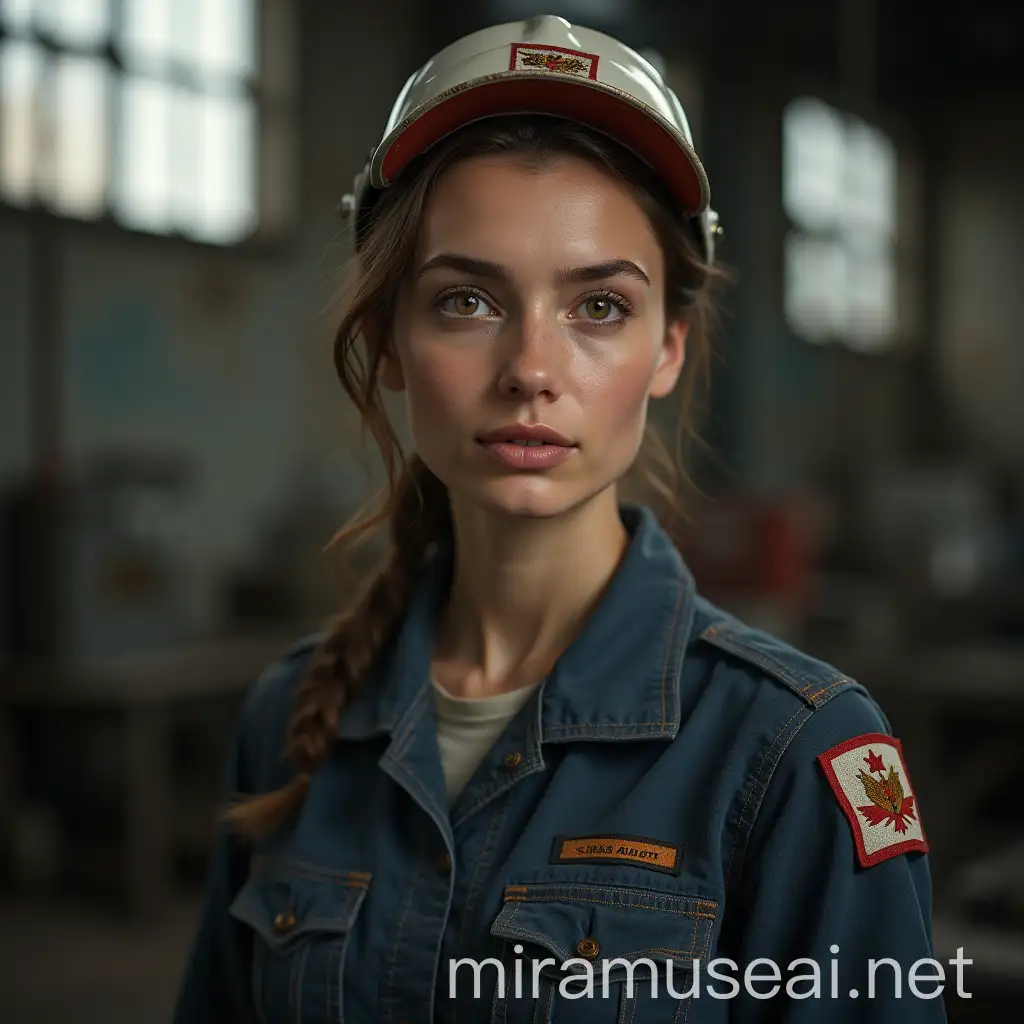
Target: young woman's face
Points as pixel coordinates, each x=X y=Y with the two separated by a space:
x=536 y=300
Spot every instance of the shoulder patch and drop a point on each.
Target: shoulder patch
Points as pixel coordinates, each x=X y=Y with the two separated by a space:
x=869 y=778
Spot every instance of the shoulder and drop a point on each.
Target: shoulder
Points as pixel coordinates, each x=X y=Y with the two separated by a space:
x=267 y=709
x=279 y=679
x=811 y=732
x=786 y=707
x=759 y=659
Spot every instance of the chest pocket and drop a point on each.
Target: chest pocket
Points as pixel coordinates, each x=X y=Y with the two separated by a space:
x=598 y=953
x=301 y=917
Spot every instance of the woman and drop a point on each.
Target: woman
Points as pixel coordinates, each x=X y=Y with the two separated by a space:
x=529 y=743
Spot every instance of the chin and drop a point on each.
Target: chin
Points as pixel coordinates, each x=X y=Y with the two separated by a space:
x=530 y=498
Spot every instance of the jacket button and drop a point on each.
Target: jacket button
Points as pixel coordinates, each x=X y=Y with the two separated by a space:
x=443 y=864
x=285 y=921
x=513 y=760
x=588 y=948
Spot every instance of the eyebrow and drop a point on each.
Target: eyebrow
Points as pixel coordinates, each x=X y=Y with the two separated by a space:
x=568 y=275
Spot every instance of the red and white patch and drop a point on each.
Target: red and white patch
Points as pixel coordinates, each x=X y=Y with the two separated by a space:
x=869 y=778
x=556 y=59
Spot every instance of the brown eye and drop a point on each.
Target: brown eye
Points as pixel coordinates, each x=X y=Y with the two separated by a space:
x=598 y=308
x=465 y=306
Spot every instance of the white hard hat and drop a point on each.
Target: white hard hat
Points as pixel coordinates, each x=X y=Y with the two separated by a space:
x=543 y=65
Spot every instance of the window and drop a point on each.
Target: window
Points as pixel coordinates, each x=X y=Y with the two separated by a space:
x=839 y=193
x=146 y=111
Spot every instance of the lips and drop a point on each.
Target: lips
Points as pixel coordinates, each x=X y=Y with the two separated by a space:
x=527 y=447
x=528 y=435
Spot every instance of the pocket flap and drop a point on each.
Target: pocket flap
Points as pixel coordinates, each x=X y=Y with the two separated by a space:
x=284 y=900
x=594 y=922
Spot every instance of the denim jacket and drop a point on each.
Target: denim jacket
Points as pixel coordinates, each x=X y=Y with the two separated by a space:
x=661 y=802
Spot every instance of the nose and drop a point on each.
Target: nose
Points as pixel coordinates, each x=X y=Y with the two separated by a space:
x=532 y=365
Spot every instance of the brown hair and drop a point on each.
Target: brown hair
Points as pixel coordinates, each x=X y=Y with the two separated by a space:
x=414 y=503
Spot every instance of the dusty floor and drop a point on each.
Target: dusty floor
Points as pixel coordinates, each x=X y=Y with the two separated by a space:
x=63 y=963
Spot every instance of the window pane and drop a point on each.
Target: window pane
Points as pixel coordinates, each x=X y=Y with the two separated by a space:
x=147 y=32
x=812 y=175
x=815 y=286
x=870 y=180
x=21 y=72
x=185 y=36
x=142 y=192
x=227 y=209
x=871 y=297
x=76 y=176
x=226 y=41
x=83 y=23
x=16 y=15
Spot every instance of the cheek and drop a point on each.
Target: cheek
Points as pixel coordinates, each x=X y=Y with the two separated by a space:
x=439 y=383
x=616 y=395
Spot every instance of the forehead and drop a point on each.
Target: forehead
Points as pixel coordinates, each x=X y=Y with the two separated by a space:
x=562 y=211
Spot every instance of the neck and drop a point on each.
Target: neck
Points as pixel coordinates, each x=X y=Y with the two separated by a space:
x=521 y=591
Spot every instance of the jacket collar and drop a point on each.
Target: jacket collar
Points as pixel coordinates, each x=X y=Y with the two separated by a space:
x=618 y=680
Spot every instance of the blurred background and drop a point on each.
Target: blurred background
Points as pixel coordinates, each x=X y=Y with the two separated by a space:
x=175 y=452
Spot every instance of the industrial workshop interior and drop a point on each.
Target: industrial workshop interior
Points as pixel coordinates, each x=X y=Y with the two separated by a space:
x=176 y=452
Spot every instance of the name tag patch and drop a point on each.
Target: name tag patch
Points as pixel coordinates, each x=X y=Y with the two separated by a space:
x=616 y=849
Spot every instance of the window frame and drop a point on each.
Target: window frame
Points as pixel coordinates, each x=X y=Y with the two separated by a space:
x=273 y=92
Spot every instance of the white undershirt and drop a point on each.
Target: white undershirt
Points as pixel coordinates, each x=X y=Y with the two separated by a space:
x=467 y=728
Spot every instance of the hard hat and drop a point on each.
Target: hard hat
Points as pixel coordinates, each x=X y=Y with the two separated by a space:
x=543 y=65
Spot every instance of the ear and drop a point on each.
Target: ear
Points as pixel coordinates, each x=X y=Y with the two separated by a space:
x=671 y=357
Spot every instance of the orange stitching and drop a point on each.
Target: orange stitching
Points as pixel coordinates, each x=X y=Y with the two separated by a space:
x=818 y=693
x=835 y=682
x=261 y=865
x=609 y=725
x=646 y=893
x=608 y=903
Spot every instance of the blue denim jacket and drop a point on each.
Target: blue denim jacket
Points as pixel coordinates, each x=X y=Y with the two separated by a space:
x=659 y=803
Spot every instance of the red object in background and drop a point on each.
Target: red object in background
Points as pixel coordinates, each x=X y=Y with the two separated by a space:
x=755 y=547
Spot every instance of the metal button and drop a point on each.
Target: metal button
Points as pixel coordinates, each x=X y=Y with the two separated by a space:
x=513 y=760
x=588 y=948
x=443 y=864
x=285 y=921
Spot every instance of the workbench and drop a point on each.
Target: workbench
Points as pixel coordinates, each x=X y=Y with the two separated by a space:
x=143 y=693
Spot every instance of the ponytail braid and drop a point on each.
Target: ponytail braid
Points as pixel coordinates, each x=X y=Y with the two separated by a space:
x=419 y=516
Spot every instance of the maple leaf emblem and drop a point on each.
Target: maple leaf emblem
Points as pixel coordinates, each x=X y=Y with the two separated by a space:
x=888 y=805
x=554 y=62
